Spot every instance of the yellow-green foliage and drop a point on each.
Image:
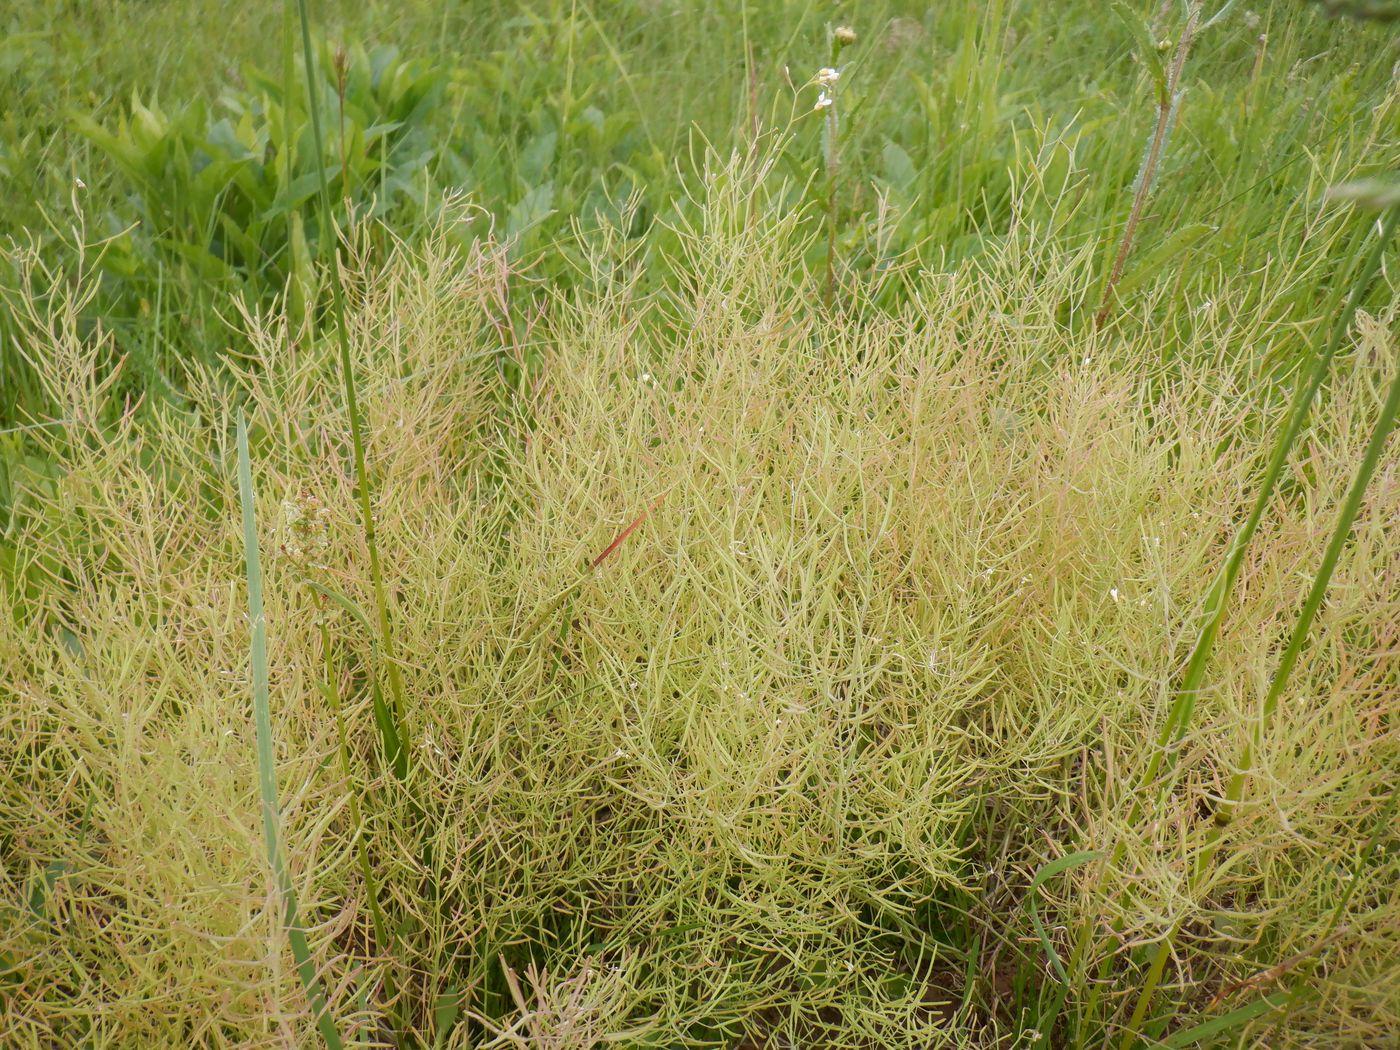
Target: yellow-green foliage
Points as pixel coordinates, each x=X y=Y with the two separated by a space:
x=898 y=629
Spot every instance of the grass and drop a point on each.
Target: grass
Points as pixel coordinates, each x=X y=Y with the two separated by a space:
x=700 y=590
x=556 y=112
x=267 y=764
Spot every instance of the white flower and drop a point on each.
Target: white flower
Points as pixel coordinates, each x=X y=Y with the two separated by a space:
x=823 y=101
x=1113 y=593
x=827 y=76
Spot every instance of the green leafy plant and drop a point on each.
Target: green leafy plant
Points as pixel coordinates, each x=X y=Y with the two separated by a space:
x=226 y=195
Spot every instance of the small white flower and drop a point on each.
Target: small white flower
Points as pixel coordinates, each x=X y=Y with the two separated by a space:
x=826 y=76
x=79 y=183
x=1113 y=593
x=823 y=101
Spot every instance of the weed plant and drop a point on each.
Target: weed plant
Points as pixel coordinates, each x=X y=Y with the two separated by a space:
x=892 y=623
x=629 y=559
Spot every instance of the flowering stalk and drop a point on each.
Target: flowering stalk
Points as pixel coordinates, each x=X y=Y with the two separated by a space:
x=826 y=80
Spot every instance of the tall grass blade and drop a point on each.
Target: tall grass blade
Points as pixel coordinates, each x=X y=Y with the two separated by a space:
x=1046 y=872
x=1340 y=534
x=1365 y=470
x=267 y=773
x=1184 y=701
x=330 y=251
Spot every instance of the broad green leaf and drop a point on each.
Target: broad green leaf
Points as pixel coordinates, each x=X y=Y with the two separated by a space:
x=899 y=167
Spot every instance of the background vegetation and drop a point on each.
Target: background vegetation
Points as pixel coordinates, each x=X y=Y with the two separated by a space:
x=785 y=578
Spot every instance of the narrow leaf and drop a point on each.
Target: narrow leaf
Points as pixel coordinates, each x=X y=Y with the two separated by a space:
x=267 y=771
x=1049 y=871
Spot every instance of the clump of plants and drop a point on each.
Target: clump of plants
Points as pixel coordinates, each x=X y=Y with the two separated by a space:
x=222 y=198
x=762 y=678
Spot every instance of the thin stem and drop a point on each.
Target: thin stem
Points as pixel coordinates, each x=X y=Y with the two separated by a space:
x=832 y=132
x=330 y=245
x=1351 y=507
x=384 y=937
x=332 y=694
x=267 y=763
x=1166 y=110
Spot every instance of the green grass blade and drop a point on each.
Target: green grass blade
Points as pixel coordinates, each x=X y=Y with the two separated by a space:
x=267 y=773
x=1046 y=872
x=1182 y=708
x=1183 y=704
x=330 y=252
x=1340 y=534
x=1216 y=1026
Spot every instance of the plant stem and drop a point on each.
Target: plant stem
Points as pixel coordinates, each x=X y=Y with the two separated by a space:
x=384 y=936
x=330 y=247
x=1351 y=507
x=1147 y=175
x=267 y=766
x=831 y=134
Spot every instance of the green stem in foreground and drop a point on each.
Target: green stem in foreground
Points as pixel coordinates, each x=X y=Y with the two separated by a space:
x=383 y=936
x=1184 y=698
x=267 y=769
x=330 y=246
x=1184 y=701
x=1351 y=507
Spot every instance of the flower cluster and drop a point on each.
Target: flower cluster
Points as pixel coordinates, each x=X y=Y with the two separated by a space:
x=305 y=532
